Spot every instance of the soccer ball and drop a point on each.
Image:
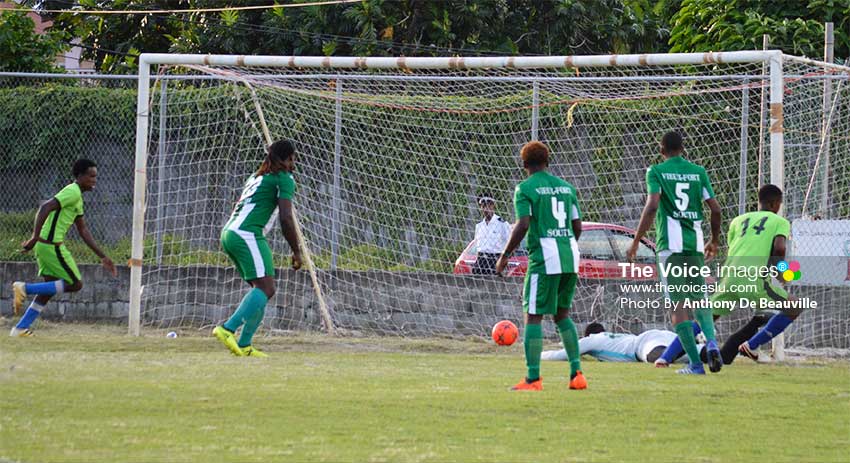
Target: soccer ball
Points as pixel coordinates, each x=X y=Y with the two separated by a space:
x=505 y=333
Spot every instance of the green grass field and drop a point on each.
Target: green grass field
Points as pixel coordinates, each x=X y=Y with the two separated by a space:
x=83 y=393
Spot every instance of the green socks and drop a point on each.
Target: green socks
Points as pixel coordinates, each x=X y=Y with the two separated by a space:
x=569 y=336
x=533 y=343
x=253 y=303
x=685 y=330
x=706 y=323
x=251 y=325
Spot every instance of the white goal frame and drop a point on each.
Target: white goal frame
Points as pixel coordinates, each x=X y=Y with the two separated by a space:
x=772 y=58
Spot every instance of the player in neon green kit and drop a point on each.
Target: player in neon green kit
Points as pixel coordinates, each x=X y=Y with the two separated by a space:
x=55 y=264
x=547 y=209
x=270 y=188
x=677 y=189
x=756 y=242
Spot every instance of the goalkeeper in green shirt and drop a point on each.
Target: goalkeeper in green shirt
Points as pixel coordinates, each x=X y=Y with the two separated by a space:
x=676 y=191
x=547 y=209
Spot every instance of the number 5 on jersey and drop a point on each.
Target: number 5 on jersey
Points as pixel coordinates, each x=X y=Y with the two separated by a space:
x=682 y=198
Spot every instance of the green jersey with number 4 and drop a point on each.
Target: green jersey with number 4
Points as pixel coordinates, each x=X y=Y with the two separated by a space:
x=259 y=201
x=683 y=186
x=551 y=202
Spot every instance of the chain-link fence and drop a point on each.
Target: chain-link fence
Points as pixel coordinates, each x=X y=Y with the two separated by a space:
x=47 y=121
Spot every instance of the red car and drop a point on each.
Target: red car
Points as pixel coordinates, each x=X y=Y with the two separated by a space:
x=602 y=247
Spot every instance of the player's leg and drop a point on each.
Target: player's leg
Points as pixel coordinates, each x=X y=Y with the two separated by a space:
x=253 y=260
x=254 y=320
x=567 y=329
x=775 y=325
x=674 y=350
x=539 y=297
x=704 y=315
x=61 y=274
x=729 y=350
x=680 y=316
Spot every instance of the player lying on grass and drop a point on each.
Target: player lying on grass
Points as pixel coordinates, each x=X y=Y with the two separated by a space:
x=547 y=209
x=621 y=347
x=756 y=242
x=676 y=191
x=55 y=264
x=270 y=188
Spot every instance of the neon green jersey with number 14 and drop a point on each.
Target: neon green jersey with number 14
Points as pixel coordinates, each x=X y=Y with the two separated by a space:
x=683 y=186
x=551 y=202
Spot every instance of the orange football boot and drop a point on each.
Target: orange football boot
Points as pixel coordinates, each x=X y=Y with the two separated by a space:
x=524 y=385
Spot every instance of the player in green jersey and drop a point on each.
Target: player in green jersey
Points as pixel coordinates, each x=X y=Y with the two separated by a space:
x=271 y=187
x=55 y=264
x=546 y=209
x=676 y=191
x=756 y=243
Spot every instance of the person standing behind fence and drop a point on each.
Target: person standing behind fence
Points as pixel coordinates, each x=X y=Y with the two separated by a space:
x=491 y=236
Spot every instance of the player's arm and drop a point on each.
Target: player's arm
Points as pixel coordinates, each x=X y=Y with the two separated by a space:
x=518 y=233
x=85 y=234
x=709 y=197
x=40 y=217
x=646 y=218
x=287 y=225
x=777 y=251
x=575 y=217
x=714 y=243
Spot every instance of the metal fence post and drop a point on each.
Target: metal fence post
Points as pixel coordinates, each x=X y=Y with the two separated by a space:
x=745 y=117
x=336 y=181
x=160 y=171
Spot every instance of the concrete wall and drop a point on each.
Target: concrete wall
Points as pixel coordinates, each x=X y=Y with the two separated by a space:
x=371 y=302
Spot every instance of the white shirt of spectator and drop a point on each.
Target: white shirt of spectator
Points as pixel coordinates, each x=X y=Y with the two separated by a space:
x=491 y=237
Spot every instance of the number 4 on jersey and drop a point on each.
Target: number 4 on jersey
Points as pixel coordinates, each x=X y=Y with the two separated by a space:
x=559 y=212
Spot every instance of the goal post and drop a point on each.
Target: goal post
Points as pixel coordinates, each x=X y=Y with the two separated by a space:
x=396 y=150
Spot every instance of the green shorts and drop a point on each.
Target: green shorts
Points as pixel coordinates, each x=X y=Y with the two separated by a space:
x=733 y=289
x=545 y=294
x=251 y=255
x=56 y=261
x=673 y=284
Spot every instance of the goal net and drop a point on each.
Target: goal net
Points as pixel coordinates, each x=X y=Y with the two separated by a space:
x=392 y=155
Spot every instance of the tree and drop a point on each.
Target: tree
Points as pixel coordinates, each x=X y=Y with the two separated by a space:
x=368 y=27
x=794 y=26
x=23 y=50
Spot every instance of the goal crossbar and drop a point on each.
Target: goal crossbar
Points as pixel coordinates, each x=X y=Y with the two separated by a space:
x=507 y=62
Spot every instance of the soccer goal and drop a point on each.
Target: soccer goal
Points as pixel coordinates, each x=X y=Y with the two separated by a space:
x=392 y=154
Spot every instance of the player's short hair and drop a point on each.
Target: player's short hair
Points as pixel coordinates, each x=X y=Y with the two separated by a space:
x=81 y=166
x=534 y=154
x=593 y=328
x=671 y=142
x=277 y=152
x=769 y=194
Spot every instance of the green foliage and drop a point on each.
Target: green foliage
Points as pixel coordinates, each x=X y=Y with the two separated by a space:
x=23 y=50
x=372 y=27
x=78 y=116
x=794 y=26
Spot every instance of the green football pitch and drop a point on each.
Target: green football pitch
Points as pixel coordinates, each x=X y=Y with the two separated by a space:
x=84 y=393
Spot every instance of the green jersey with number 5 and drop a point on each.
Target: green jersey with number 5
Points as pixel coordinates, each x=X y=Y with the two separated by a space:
x=683 y=186
x=551 y=202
